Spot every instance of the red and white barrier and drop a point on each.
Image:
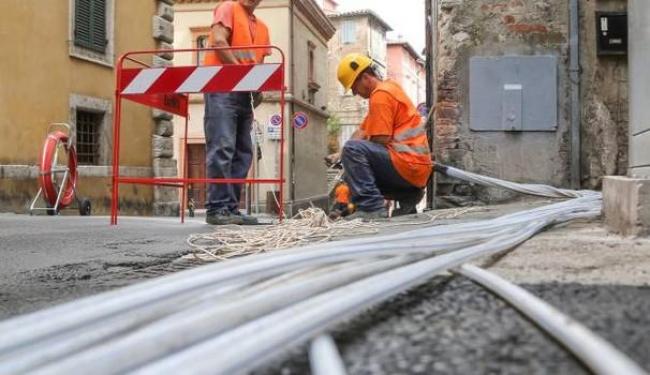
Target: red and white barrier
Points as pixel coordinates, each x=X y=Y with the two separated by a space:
x=218 y=78
x=168 y=89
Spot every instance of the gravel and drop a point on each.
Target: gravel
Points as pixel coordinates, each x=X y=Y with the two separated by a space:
x=452 y=326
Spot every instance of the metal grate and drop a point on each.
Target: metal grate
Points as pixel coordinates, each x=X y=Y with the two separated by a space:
x=88 y=125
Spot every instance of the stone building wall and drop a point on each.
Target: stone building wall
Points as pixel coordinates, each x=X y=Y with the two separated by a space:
x=526 y=28
x=604 y=97
x=349 y=109
x=370 y=40
x=39 y=91
x=166 y=199
x=498 y=28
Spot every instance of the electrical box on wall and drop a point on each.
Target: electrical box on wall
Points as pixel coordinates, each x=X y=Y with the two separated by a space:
x=611 y=33
x=513 y=93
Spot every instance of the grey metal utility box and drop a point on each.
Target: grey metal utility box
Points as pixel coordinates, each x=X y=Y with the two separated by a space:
x=513 y=93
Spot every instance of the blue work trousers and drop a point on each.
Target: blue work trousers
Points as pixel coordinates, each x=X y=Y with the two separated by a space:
x=372 y=177
x=228 y=147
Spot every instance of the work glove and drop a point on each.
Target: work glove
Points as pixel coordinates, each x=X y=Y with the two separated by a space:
x=258 y=97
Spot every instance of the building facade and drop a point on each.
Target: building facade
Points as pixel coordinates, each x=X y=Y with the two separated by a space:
x=639 y=120
x=301 y=30
x=361 y=32
x=406 y=67
x=524 y=92
x=57 y=65
x=626 y=199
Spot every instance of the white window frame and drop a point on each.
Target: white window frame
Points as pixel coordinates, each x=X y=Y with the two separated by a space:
x=348 y=32
x=108 y=57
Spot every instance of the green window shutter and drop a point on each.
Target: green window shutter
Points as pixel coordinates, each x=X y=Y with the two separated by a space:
x=98 y=22
x=90 y=24
x=82 y=33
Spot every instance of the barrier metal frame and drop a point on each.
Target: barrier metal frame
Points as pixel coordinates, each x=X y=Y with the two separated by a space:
x=181 y=99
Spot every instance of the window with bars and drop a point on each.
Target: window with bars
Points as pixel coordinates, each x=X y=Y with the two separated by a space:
x=88 y=134
x=90 y=24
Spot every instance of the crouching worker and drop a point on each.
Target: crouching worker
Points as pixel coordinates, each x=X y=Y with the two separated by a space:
x=388 y=156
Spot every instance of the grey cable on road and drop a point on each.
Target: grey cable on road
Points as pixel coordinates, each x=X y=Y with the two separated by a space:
x=244 y=322
x=324 y=358
x=596 y=353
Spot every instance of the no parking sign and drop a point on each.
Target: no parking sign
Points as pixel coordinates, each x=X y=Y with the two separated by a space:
x=273 y=127
x=300 y=120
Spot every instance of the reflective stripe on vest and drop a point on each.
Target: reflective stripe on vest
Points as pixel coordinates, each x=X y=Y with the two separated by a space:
x=410 y=142
x=419 y=150
x=410 y=133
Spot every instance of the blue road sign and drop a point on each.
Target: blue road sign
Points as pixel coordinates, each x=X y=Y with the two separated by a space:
x=276 y=120
x=300 y=120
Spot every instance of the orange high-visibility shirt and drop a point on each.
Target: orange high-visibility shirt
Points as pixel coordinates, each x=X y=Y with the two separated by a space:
x=391 y=113
x=342 y=194
x=245 y=30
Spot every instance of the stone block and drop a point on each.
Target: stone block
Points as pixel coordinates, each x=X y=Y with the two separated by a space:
x=626 y=205
x=447 y=5
x=165 y=167
x=163 y=29
x=157 y=114
x=165 y=163
x=165 y=194
x=166 y=11
x=164 y=54
x=159 y=62
x=162 y=147
x=166 y=209
x=18 y=172
x=165 y=172
x=164 y=128
x=170 y=2
x=446 y=130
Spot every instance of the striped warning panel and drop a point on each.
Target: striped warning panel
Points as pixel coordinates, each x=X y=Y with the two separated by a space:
x=201 y=79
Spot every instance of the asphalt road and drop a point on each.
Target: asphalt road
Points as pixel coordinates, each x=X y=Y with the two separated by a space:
x=49 y=260
x=447 y=326
x=452 y=326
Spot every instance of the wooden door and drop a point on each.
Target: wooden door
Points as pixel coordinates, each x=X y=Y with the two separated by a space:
x=196 y=169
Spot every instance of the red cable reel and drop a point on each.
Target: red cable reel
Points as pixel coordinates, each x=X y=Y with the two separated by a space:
x=54 y=143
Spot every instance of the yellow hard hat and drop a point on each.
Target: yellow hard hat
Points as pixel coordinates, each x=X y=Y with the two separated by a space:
x=350 y=66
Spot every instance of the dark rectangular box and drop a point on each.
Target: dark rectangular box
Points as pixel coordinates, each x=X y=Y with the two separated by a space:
x=611 y=33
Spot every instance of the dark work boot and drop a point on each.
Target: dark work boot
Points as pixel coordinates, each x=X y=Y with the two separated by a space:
x=246 y=219
x=408 y=206
x=365 y=216
x=223 y=218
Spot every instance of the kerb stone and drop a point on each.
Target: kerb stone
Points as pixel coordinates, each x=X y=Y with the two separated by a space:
x=626 y=205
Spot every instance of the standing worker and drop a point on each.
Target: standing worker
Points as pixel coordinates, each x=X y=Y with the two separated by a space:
x=228 y=116
x=388 y=156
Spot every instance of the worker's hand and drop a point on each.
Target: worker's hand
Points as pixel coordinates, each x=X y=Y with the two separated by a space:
x=333 y=159
x=258 y=97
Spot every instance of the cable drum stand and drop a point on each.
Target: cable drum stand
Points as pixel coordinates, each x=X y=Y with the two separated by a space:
x=57 y=176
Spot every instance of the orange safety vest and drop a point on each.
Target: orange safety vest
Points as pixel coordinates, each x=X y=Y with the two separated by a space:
x=241 y=36
x=409 y=146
